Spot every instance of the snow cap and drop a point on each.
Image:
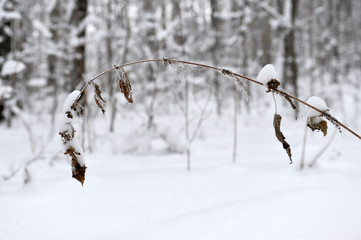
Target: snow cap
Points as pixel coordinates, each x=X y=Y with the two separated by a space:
x=267 y=73
x=317 y=103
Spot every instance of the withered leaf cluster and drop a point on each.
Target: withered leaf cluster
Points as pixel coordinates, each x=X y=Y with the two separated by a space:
x=277 y=126
x=67 y=136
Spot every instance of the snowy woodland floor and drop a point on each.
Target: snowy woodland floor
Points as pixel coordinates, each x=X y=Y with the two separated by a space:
x=152 y=196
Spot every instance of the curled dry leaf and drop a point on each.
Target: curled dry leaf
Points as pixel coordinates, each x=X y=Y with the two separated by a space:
x=277 y=126
x=99 y=100
x=98 y=92
x=78 y=171
x=124 y=84
x=317 y=123
x=99 y=103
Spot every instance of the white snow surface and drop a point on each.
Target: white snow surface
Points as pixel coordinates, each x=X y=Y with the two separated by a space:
x=317 y=103
x=152 y=196
x=12 y=67
x=70 y=100
x=267 y=73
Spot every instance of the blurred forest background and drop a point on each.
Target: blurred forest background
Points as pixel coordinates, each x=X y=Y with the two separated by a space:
x=50 y=47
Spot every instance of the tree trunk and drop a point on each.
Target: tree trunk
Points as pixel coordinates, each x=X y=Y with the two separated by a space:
x=5 y=49
x=216 y=27
x=78 y=66
x=290 y=68
x=53 y=61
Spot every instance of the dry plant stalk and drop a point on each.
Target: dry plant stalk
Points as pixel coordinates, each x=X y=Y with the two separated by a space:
x=333 y=120
x=178 y=67
x=277 y=126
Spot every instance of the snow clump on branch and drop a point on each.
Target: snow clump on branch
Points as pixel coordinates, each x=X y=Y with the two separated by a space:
x=315 y=119
x=268 y=76
x=267 y=73
x=72 y=146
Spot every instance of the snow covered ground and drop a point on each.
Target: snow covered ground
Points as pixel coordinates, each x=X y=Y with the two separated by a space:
x=152 y=196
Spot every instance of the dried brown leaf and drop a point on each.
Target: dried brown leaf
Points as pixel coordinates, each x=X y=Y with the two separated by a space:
x=98 y=92
x=99 y=100
x=78 y=171
x=317 y=125
x=99 y=103
x=124 y=85
x=277 y=126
